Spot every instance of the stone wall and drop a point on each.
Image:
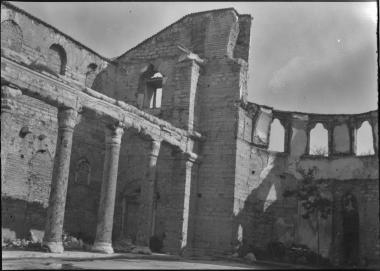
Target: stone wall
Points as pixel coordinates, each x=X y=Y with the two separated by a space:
x=232 y=196
x=263 y=215
x=35 y=38
x=202 y=84
x=26 y=186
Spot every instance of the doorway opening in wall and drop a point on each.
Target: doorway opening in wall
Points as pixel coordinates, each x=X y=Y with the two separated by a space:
x=350 y=224
x=129 y=218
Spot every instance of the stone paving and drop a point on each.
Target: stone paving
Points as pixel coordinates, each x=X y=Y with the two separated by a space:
x=22 y=260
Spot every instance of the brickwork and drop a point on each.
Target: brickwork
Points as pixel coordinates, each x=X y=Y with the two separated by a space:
x=262 y=177
x=38 y=37
x=215 y=186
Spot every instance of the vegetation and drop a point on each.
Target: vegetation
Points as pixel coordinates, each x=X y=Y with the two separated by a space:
x=309 y=192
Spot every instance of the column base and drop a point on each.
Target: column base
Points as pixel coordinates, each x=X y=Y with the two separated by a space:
x=102 y=247
x=53 y=247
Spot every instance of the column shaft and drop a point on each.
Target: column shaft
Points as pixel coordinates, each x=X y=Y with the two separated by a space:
x=177 y=240
x=147 y=197
x=103 y=240
x=67 y=119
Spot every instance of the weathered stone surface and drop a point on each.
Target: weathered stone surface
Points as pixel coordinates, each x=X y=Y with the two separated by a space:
x=250 y=257
x=229 y=199
x=103 y=241
x=67 y=119
x=36 y=236
x=141 y=250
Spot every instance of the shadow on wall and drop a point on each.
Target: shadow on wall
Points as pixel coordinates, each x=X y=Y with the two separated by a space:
x=19 y=217
x=266 y=217
x=268 y=224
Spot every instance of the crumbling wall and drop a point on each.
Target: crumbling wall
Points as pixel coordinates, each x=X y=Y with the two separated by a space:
x=27 y=176
x=262 y=176
x=35 y=39
x=26 y=186
x=202 y=83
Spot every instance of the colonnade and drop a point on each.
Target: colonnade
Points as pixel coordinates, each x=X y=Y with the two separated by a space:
x=68 y=118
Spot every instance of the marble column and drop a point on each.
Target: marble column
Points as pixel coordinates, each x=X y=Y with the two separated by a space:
x=103 y=240
x=67 y=119
x=146 y=216
x=8 y=97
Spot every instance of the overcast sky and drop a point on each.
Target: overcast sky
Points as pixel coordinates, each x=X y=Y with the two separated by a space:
x=310 y=57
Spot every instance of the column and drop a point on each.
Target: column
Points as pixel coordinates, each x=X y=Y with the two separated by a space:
x=177 y=240
x=146 y=216
x=8 y=96
x=188 y=160
x=67 y=119
x=103 y=240
x=330 y=136
x=352 y=129
x=375 y=135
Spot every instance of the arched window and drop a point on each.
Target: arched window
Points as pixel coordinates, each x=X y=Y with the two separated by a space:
x=277 y=137
x=364 y=140
x=83 y=172
x=57 y=59
x=11 y=35
x=319 y=141
x=90 y=74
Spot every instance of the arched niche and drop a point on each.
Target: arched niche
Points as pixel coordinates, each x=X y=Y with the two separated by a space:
x=83 y=172
x=318 y=141
x=11 y=35
x=364 y=139
x=277 y=137
x=57 y=59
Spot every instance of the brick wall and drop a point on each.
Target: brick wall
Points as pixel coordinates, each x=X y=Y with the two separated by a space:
x=28 y=167
x=37 y=37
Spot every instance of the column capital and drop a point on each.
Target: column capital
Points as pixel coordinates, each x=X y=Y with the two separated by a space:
x=68 y=118
x=188 y=156
x=155 y=147
x=8 y=96
x=114 y=133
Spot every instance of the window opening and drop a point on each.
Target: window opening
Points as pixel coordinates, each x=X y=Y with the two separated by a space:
x=57 y=59
x=154 y=90
x=364 y=140
x=318 y=141
x=277 y=137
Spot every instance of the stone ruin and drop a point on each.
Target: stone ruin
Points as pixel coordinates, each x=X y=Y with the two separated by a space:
x=162 y=143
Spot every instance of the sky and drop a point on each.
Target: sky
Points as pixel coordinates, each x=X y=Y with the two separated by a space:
x=309 y=57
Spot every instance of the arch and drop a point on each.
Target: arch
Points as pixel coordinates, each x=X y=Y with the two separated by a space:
x=83 y=172
x=277 y=136
x=11 y=35
x=364 y=139
x=318 y=143
x=57 y=59
x=90 y=74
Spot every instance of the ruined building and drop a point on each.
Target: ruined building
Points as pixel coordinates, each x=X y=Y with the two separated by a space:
x=161 y=141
